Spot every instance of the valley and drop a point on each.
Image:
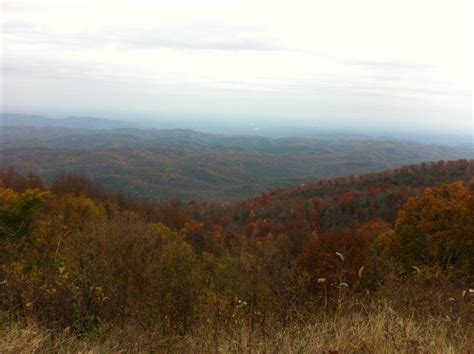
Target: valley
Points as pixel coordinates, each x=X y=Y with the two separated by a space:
x=187 y=164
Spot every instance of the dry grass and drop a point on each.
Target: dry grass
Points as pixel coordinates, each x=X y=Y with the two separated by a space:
x=379 y=329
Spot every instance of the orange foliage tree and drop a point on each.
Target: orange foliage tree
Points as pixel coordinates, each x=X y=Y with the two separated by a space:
x=436 y=228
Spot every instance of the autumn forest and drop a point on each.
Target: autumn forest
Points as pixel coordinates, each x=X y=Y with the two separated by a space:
x=370 y=263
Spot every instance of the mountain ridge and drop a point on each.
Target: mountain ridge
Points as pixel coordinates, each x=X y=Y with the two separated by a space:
x=16 y=119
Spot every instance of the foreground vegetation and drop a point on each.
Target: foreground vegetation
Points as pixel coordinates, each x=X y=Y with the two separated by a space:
x=380 y=263
x=376 y=329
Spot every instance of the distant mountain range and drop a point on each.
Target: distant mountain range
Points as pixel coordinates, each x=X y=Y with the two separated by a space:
x=13 y=119
x=189 y=164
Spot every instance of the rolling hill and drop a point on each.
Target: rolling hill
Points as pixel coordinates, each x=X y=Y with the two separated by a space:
x=188 y=164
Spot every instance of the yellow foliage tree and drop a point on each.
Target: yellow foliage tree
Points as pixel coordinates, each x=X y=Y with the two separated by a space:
x=18 y=210
x=436 y=228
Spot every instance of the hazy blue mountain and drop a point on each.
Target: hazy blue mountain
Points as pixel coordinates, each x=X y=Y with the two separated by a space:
x=13 y=119
x=195 y=165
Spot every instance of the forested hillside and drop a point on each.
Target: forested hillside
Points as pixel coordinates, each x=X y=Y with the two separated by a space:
x=186 y=164
x=335 y=204
x=381 y=262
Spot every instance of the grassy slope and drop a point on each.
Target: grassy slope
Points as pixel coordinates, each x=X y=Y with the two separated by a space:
x=376 y=329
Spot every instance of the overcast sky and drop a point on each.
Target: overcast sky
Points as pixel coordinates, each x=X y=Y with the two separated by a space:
x=379 y=64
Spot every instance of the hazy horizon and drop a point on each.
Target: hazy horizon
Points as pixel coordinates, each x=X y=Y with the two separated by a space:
x=368 y=66
x=268 y=129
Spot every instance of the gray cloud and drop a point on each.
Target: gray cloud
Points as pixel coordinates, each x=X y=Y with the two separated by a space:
x=227 y=38
x=197 y=37
x=392 y=65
